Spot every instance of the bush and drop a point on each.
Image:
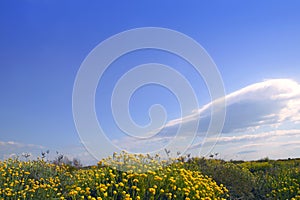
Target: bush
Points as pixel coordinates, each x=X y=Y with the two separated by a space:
x=158 y=180
x=239 y=181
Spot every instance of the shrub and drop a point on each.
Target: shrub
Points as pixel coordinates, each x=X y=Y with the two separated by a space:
x=239 y=181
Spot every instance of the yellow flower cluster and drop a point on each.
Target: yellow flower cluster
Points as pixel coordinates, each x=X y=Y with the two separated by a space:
x=285 y=188
x=281 y=178
x=31 y=180
x=145 y=177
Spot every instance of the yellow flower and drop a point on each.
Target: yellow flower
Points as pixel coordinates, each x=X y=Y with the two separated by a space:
x=152 y=190
x=135 y=180
x=133 y=187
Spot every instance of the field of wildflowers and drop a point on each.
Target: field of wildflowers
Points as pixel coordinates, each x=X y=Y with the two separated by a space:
x=127 y=176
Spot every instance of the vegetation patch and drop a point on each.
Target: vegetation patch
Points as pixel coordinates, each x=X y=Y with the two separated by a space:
x=128 y=176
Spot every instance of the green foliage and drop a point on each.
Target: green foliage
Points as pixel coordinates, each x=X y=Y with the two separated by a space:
x=46 y=180
x=30 y=179
x=127 y=176
x=275 y=179
x=238 y=180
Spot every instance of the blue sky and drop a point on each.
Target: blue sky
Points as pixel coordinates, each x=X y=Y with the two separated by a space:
x=43 y=44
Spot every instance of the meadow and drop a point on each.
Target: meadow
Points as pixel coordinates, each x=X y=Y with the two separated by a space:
x=131 y=176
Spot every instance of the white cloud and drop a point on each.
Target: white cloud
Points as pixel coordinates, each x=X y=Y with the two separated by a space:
x=260 y=117
x=270 y=102
x=274 y=148
x=13 y=148
x=9 y=149
x=242 y=137
x=14 y=144
x=264 y=111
